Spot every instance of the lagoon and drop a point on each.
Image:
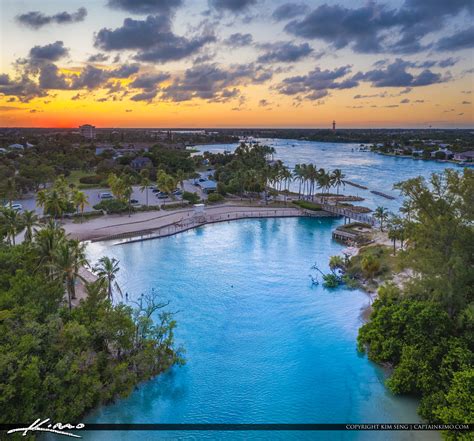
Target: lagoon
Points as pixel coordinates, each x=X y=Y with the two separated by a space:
x=262 y=344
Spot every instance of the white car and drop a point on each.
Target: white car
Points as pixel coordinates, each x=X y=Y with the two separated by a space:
x=16 y=207
x=105 y=195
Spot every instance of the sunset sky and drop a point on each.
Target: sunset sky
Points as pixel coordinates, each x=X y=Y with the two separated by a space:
x=237 y=63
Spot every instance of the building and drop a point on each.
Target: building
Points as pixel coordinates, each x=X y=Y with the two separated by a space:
x=87 y=131
x=334 y=126
x=464 y=156
x=447 y=153
x=140 y=163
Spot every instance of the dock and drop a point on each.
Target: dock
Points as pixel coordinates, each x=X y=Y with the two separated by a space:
x=384 y=195
x=354 y=184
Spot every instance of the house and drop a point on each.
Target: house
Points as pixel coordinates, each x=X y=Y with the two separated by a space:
x=447 y=153
x=464 y=156
x=208 y=186
x=140 y=163
x=416 y=151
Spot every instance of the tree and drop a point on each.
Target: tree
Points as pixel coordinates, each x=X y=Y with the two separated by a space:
x=337 y=179
x=80 y=200
x=68 y=258
x=11 y=223
x=336 y=262
x=29 y=220
x=381 y=214
x=370 y=265
x=107 y=270
x=145 y=183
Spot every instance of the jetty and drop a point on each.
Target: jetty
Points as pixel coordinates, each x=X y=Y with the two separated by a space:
x=384 y=195
x=354 y=184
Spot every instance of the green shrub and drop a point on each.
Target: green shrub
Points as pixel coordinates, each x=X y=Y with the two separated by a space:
x=215 y=197
x=308 y=205
x=174 y=206
x=193 y=198
x=91 y=180
x=147 y=208
x=112 y=206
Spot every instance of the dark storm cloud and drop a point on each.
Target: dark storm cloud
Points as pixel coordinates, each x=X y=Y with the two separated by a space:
x=461 y=40
x=153 y=38
x=289 y=11
x=145 y=6
x=396 y=75
x=239 y=40
x=90 y=78
x=49 y=52
x=284 y=52
x=36 y=19
x=370 y=28
x=317 y=83
x=23 y=88
x=235 y=6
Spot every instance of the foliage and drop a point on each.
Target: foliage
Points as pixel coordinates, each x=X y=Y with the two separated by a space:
x=425 y=332
x=193 y=198
x=91 y=179
x=214 y=198
x=331 y=280
x=307 y=205
x=174 y=206
x=60 y=363
x=112 y=206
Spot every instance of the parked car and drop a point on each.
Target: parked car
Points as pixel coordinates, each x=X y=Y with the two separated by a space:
x=161 y=195
x=202 y=180
x=177 y=192
x=134 y=201
x=16 y=207
x=105 y=195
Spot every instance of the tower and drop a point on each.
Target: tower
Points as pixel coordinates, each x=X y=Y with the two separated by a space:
x=334 y=126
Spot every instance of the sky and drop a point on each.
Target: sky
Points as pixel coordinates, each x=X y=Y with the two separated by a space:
x=237 y=63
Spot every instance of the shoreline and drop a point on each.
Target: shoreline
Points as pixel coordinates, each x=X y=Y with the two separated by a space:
x=151 y=225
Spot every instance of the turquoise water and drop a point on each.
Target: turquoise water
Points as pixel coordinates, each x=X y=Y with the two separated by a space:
x=378 y=172
x=263 y=345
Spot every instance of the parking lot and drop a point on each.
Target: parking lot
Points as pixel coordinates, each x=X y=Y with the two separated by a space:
x=93 y=194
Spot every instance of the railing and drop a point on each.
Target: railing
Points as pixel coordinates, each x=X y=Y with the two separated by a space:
x=197 y=220
x=360 y=217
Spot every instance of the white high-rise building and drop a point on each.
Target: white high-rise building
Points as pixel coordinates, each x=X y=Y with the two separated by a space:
x=87 y=131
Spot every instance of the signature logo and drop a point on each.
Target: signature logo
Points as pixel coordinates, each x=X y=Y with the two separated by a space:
x=47 y=426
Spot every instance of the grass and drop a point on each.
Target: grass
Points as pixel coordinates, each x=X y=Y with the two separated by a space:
x=308 y=205
x=75 y=175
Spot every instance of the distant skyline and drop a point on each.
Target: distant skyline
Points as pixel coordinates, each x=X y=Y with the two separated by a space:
x=237 y=63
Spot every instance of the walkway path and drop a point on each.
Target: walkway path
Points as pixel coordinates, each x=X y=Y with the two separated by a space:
x=163 y=223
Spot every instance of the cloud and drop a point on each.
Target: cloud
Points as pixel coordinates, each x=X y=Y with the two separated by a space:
x=212 y=82
x=396 y=75
x=124 y=71
x=146 y=6
x=466 y=102
x=145 y=96
x=371 y=28
x=234 y=6
x=51 y=78
x=153 y=38
x=23 y=88
x=405 y=101
x=149 y=81
x=90 y=78
x=317 y=83
x=98 y=58
x=239 y=40
x=128 y=110
x=36 y=19
x=284 y=52
x=50 y=52
x=461 y=40
x=288 y=11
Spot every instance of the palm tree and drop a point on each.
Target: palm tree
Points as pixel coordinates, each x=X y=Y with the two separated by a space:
x=107 y=270
x=337 y=179
x=68 y=258
x=30 y=221
x=80 y=200
x=381 y=214
x=47 y=240
x=144 y=184
x=11 y=223
x=181 y=176
x=324 y=181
